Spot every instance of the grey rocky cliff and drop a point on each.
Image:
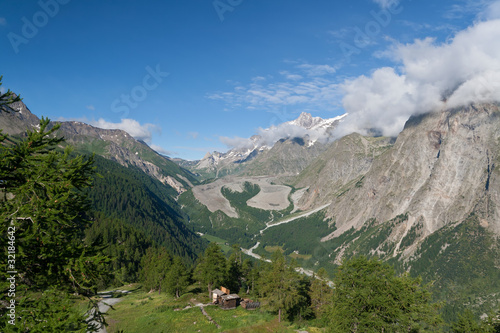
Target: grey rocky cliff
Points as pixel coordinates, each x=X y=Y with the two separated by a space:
x=13 y=123
x=439 y=171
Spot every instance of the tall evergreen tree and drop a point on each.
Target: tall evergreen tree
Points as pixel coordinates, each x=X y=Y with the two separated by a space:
x=7 y=99
x=280 y=284
x=155 y=266
x=43 y=209
x=467 y=323
x=177 y=279
x=234 y=270
x=321 y=293
x=211 y=269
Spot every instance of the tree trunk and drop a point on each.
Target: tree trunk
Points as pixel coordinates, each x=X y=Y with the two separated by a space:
x=279 y=315
x=210 y=291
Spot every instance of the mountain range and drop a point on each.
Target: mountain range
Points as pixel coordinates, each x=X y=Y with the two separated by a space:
x=256 y=155
x=428 y=201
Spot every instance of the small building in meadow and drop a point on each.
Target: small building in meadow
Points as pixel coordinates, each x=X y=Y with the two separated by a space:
x=225 y=299
x=230 y=301
x=216 y=296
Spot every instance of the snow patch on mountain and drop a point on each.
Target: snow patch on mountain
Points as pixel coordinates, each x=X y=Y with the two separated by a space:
x=310 y=129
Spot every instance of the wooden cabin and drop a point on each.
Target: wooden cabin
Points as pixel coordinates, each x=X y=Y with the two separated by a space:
x=230 y=301
x=216 y=296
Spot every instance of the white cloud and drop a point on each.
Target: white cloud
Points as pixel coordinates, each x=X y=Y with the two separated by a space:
x=492 y=11
x=307 y=86
x=237 y=142
x=90 y=107
x=3 y=21
x=269 y=136
x=317 y=70
x=290 y=76
x=431 y=76
x=131 y=126
x=340 y=33
x=468 y=7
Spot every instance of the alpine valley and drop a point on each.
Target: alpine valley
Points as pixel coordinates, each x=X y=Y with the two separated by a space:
x=426 y=201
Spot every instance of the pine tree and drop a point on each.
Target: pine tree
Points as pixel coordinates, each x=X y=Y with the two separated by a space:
x=321 y=293
x=43 y=207
x=7 y=99
x=234 y=270
x=155 y=265
x=466 y=323
x=177 y=279
x=211 y=268
x=280 y=284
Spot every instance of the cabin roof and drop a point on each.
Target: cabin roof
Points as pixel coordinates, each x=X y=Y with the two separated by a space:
x=218 y=292
x=229 y=297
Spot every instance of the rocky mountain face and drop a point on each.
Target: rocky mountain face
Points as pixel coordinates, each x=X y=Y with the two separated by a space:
x=341 y=166
x=18 y=122
x=299 y=141
x=119 y=146
x=440 y=170
x=286 y=158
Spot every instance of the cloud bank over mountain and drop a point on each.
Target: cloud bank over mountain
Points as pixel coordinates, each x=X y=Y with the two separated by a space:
x=269 y=136
x=429 y=76
x=131 y=126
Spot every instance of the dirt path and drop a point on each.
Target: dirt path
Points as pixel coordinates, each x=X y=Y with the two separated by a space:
x=270 y=225
x=106 y=303
x=255 y=255
x=208 y=317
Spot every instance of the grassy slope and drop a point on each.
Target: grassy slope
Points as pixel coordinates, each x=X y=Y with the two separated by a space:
x=144 y=312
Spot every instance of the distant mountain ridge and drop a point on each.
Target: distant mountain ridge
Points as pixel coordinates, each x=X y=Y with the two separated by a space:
x=306 y=132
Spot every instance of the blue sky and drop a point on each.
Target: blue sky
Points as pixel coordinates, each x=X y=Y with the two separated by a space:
x=183 y=74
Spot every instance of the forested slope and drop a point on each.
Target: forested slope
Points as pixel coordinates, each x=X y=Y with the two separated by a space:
x=144 y=203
